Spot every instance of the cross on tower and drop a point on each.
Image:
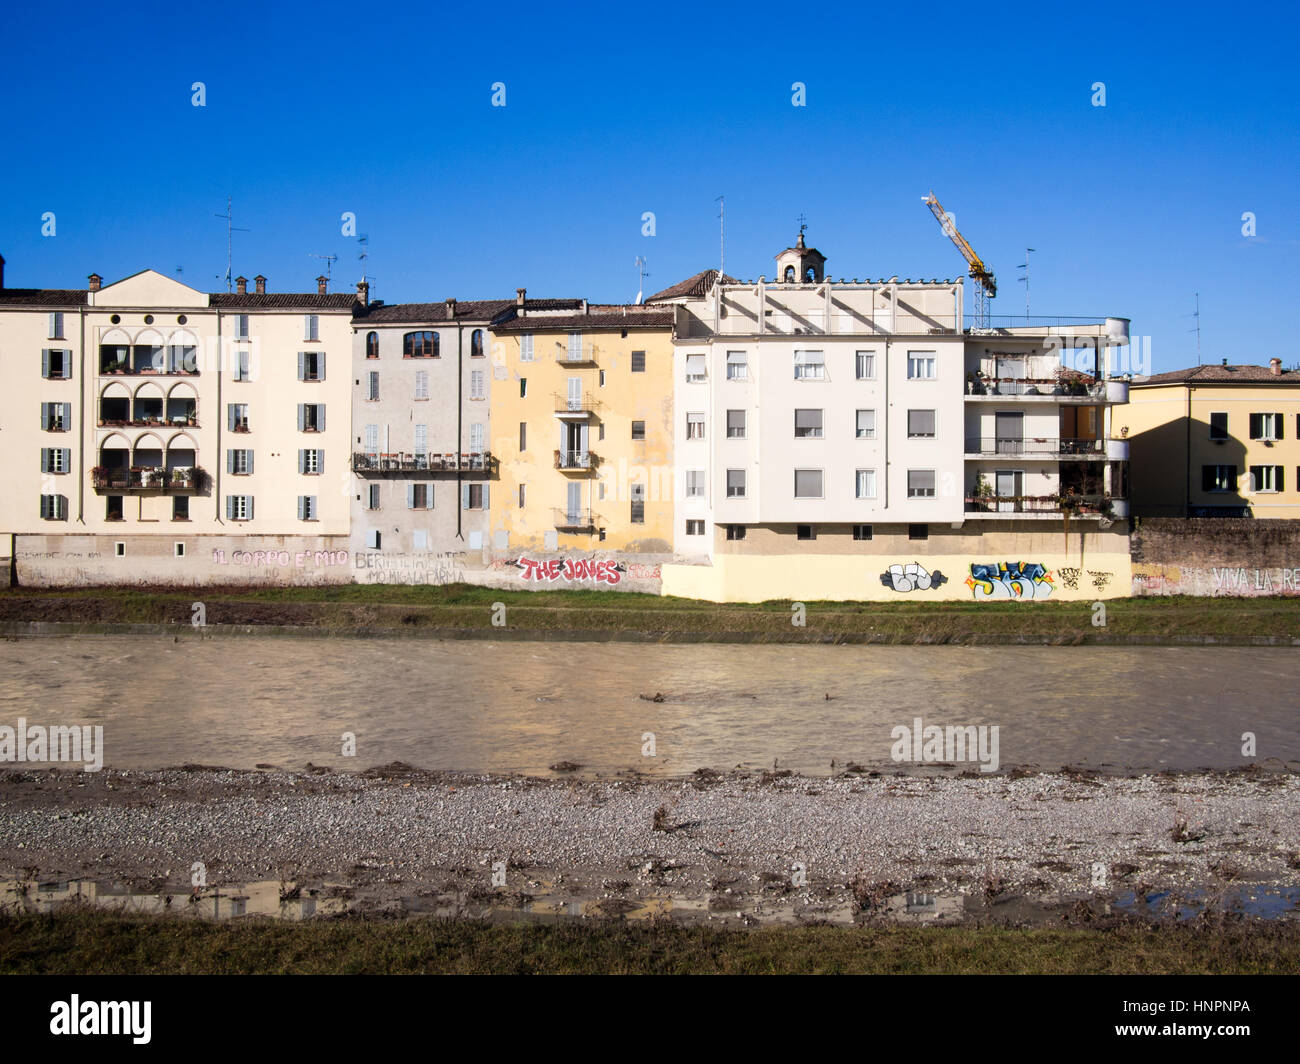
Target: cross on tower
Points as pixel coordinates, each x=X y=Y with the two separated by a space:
x=803 y=223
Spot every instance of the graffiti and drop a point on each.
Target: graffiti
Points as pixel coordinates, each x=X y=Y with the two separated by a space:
x=1017 y=581
x=605 y=572
x=422 y=568
x=302 y=559
x=1100 y=580
x=1070 y=577
x=911 y=577
x=1225 y=581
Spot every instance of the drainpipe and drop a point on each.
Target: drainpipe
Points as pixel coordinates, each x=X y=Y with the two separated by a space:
x=884 y=369
x=216 y=459
x=81 y=435
x=1187 y=458
x=460 y=428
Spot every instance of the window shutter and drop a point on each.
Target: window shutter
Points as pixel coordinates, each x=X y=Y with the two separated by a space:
x=1256 y=426
x=320 y=366
x=320 y=461
x=302 y=365
x=45 y=362
x=46 y=453
x=302 y=507
x=302 y=416
x=485 y=494
x=230 y=507
x=320 y=417
x=67 y=415
x=1280 y=478
x=67 y=365
x=248 y=499
x=428 y=496
x=45 y=506
x=250 y=462
x=464 y=496
x=302 y=460
x=45 y=414
x=1277 y=420
x=230 y=417
x=410 y=496
x=230 y=464
x=67 y=459
x=1232 y=478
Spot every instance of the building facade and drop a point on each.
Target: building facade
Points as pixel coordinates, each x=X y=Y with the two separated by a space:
x=1216 y=441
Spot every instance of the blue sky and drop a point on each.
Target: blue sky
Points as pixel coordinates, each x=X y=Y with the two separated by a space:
x=313 y=110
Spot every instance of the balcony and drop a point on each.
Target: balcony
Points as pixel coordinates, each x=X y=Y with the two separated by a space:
x=584 y=355
x=144 y=480
x=567 y=406
x=376 y=464
x=575 y=520
x=576 y=461
x=148 y=361
x=1046 y=506
x=1044 y=389
x=1047 y=448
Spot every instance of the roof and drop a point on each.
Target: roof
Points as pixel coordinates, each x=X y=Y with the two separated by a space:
x=43 y=297
x=466 y=310
x=692 y=287
x=1219 y=374
x=282 y=301
x=598 y=316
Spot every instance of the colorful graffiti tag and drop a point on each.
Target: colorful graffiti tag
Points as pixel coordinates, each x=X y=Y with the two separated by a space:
x=1017 y=581
x=602 y=572
x=911 y=577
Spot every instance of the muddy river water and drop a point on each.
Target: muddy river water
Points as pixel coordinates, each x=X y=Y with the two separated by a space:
x=518 y=707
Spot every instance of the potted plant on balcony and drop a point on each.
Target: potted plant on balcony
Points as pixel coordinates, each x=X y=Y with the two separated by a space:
x=983 y=493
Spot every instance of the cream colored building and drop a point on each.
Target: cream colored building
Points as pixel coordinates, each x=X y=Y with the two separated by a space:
x=156 y=432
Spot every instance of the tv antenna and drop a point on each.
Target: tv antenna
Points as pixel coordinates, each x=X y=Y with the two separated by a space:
x=329 y=262
x=229 y=216
x=642 y=274
x=364 y=254
x=1025 y=266
x=1196 y=328
x=722 y=236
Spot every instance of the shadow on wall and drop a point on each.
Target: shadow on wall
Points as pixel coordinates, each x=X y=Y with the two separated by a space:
x=1171 y=474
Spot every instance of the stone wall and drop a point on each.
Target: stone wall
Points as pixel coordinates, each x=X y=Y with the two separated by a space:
x=1215 y=556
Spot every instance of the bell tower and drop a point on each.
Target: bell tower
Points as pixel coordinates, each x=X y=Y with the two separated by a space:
x=800 y=264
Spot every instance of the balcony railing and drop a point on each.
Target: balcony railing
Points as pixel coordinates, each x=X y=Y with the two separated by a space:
x=576 y=460
x=177 y=421
x=1045 y=386
x=574 y=520
x=586 y=355
x=404 y=462
x=1047 y=447
x=583 y=404
x=1101 y=505
x=139 y=479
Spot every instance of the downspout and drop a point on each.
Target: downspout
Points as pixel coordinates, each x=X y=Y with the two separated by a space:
x=460 y=429
x=216 y=460
x=81 y=435
x=884 y=368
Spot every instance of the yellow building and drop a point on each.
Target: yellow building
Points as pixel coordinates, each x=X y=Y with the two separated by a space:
x=1215 y=441
x=582 y=418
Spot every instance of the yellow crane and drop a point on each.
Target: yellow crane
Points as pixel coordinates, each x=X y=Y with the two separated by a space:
x=986 y=285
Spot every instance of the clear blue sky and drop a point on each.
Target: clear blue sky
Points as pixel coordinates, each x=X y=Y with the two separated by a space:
x=313 y=110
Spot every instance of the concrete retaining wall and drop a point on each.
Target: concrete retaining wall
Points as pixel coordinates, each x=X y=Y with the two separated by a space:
x=1215 y=556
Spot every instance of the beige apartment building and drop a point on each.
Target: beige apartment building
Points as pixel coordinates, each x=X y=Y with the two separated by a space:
x=154 y=432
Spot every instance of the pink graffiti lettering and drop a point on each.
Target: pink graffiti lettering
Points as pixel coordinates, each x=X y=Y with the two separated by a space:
x=572 y=569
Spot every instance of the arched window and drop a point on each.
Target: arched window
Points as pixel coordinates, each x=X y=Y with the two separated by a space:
x=420 y=345
x=810 y=274
x=372 y=345
x=476 y=343
x=789 y=275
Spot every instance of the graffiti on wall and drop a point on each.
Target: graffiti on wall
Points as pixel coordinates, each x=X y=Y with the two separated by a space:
x=393 y=567
x=606 y=571
x=1072 y=577
x=1236 y=581
x=911 y=577
x=282 y=559
x=1016 y=581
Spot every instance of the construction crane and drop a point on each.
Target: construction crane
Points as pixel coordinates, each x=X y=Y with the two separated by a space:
x=986 y=285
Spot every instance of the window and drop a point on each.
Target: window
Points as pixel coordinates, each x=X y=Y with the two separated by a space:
x=735 y=532
x=421 y=384
x=311 y=462
x=476 y=382
x=865 y=481
x=242 y=372
x=574 y=353
x=476 y=437
x=311 y=417
x=695 y=483
x=601 y=378
x=694 y=527
x=56 y=417
x=1265 y=426
x=735 y=424
x=119 y=548
x=1219 y=426
x=372 y=439
x=476 y=344
x=372 y=386
x=526 y=347
x=1218 y=478
x=239 y=462
x=241 y=326
x=372 y=345
x=307 y=509
x=861 y=532
x=311 y=365
x=866 y=425
x=920 y=483
x=474 y=497
x=237 y=417
x=310 y=327
x=56 y=365
x=56 y=459
x=523 y=435
x=918 y=531
x=374 y=538
x=865 y=365
x=56 y=325
x=737 y=366
x=420 y=345
x=421 y=439
x=1266 y=478
x=696 y=371
x=182 y=359
x=239 y=507
x=638 y=430
x=637 y=514
x=920 y=367
x=807 y=483
x=54 y=508
x=638 y=361
x=807 y=424
x=180 y=507
x=695 y=426
x=372 y=496
x=419 y=496
x=920 y=424
x=735 y=483
x=805 y=532
x=523 y=387
x=809 y=366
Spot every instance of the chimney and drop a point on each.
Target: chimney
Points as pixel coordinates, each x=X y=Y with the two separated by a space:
x=1275 y=366
x=241 y=285
x=260 y=282
x=451 y=308
x=95 y=280
x=363 y=293
x=519 y=296
x=1225 y=363
x=322 y=283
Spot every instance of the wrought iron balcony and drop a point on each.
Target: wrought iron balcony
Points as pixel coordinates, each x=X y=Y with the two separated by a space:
x=1084 y=505
x=579 y=405
x=576 y=460
x=139 y=480
x=376 y=463
x=575 y=520
x=1037 y=447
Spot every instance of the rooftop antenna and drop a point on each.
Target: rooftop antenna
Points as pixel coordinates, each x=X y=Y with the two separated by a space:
x=229 y=216
x=364 y=254
x=329 y=262
x=1025 y=266
x=642 y=274
x=1196 y=315
x=722 y=236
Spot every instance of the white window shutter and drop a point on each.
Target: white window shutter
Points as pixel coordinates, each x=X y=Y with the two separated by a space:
x=302 y=415
x=464 y=496
x=302 y=460
x=428 y=496
x=410 y=496
x=302 y=507
x=486 y=486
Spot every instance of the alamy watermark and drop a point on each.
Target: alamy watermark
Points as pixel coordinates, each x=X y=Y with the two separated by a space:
x=950 y=743
x=73 y=743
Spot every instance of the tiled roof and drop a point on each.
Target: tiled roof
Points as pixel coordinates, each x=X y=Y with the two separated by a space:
x=282 y=301
x=598 y=316
x=696 y=286
x=1218 y=374
x=467 y=310
x=43 y=297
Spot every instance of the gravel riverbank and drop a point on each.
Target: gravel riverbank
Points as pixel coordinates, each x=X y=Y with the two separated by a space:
x=731 y=846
